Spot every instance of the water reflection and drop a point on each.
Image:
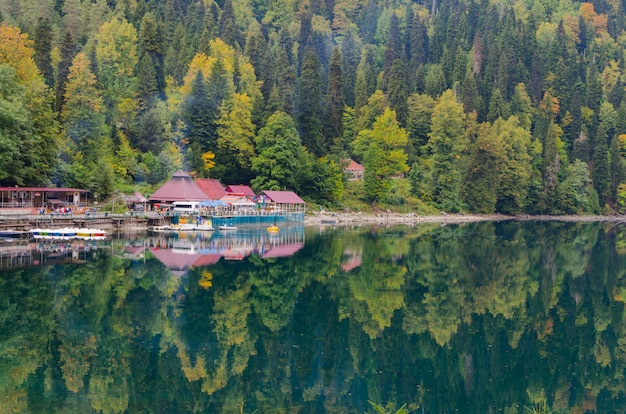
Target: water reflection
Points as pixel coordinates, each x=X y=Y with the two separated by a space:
x=21 y=253
x=475 y=318
x=182 y=252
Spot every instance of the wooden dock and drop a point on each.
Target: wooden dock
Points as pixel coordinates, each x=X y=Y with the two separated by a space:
x=116 y=222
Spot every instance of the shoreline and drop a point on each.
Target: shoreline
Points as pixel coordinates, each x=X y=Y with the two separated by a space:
x=384 y=218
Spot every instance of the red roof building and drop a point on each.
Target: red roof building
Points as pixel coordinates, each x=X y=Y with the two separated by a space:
x=211 y=187
x=179 y=188
x=244 y=190
x=354 y=170
x=30 y=197
x=283 y=197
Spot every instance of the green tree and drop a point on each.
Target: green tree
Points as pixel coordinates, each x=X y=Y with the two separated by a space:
x=43 y=47
x=310 y=105
x=397 y=91
x=199 y=114
x=447 y=144
x=68 y=51
x=420 y=110
x=575 y=192
x=279 y=160
x=320 y=179
x=151 y=71
x=116 y=52
x=336 y=101
x=601 y=170
x=235 y=141
x=83 y=114
x=381 y=149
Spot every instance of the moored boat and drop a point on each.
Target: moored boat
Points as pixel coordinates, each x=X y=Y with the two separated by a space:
x=69 y=233
x=273 y=229
x=227 y=227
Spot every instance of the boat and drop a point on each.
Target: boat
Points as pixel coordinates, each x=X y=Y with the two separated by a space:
x=181 y=228
x=10 y=235
x=67 y=233
x=227 y=227
x=273 y=228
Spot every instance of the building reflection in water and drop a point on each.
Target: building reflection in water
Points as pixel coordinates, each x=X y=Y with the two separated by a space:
x=181 y=252
x=178 y=252
x=23 y=253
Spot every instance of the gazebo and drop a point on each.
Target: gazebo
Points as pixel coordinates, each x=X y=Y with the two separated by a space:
x=179 y=188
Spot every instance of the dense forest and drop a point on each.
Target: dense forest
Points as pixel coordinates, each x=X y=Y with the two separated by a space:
x=497 y=106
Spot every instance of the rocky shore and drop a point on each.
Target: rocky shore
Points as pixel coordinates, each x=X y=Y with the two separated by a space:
x=390 y=218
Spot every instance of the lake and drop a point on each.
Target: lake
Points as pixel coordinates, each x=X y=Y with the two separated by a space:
x=477 y=318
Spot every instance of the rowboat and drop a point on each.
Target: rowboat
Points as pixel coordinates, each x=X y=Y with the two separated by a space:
x=68 y=233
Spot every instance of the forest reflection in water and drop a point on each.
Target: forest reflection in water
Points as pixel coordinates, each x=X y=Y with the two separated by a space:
x=486 y=317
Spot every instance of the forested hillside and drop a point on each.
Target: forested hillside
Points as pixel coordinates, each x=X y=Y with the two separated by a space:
x=486 y=106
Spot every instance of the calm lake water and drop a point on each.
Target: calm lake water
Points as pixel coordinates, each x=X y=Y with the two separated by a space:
x=479 y=318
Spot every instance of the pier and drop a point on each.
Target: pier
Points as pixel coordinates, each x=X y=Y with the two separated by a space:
x=116 y=222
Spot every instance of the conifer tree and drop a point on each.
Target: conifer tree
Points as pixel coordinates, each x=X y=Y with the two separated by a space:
x=152 y=70
x=397 y=91
x=394 y=48
x=228 y=30
x=336 y=100
x=43 y=47
x=68 y=50
x=200 y=116
x=310 y=104
x=350 y=57
x=601 y=170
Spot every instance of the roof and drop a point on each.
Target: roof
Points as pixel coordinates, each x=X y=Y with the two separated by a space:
x=180 y=262
x=240 y=189
x=282 y=250
x=44 y=189
x=283 y=197
x=354 y=166
x=179 y=188
x=237 y=200
x=211 y=187
x=207 y=260
x=137 y=197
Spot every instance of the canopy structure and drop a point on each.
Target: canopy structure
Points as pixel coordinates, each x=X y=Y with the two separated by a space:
x=212 y=203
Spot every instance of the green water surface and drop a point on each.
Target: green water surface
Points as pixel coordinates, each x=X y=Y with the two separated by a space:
x=479 y=318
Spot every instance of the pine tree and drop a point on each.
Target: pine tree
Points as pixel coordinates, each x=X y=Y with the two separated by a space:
x=498 y=107
x=200 y=116
x=151 y=45
x=469 y=95
x=68 y=50
x=350 y=57
x=227 y=30
x=397 y=91
x=336 y=100
x=310 y=104
x=601 y=169
x=394 y=48
x=43 y=47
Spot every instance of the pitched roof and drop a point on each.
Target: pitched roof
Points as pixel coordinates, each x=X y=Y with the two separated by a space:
x=179 y=188
x=178 y=263
x=240 y=189
x=211 y=187
x=283 y=197
x=354 y=166
x=284 y=250
x=237 y=200
x=137 y=197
